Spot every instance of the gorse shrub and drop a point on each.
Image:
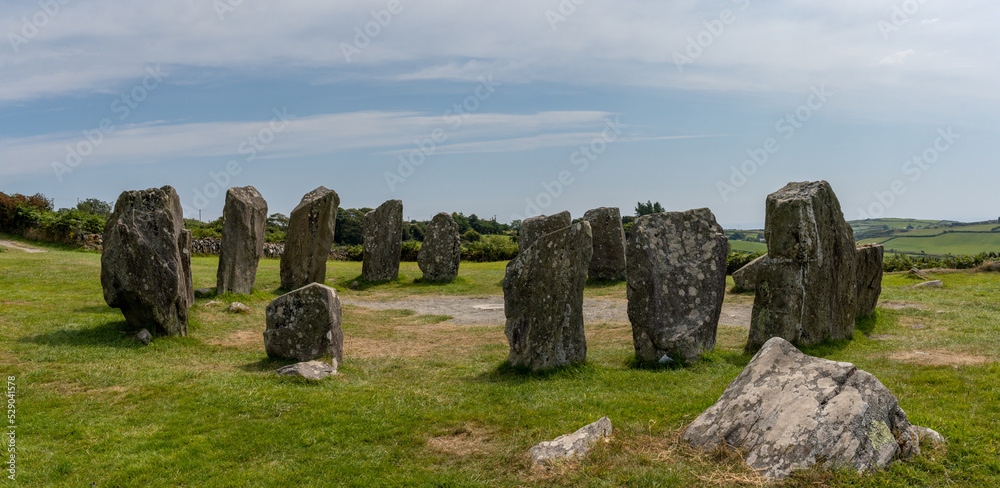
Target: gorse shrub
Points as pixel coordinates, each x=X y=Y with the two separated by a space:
x=489 y=249
x=736 y=260
x=472 y=236
x=411 y=249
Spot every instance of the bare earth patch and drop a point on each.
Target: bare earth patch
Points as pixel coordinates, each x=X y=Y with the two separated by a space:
x=14 y=245
x=468 y=440
x=901 y=305
x=240 y=338
x=939 y=357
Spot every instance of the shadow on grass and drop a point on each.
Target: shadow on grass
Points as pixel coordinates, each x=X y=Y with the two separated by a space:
x=867 y=324
x=266 y=364
x=361 y=283
x=109 y=334
x=505 y=373
x=96 y=309
x=598 y=283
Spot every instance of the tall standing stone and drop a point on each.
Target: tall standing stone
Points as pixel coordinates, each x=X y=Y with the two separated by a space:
x=870 y=258
x=807 y=287
x=676 y=284
x=146 y=264
x=304 y=324
x=441 y=251
x=244 y=219
x=383 y=242
x=310 y=237
x=609 y=243
x=535 y=227
x=543 y=299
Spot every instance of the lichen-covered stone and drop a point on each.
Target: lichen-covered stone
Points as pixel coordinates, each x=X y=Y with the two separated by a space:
x=535 y=227
x=146 y=264
x=575 y=445
x=441 y=251
x=244 y=219
x=869 y=270
x=383 y=242
x=304 y=324
x=310 y=370
x=745 y=278
x=543 y=299
x=788 y=411
x=807 y=288
x=310 y=236
x=676 y=284
x=608 y=262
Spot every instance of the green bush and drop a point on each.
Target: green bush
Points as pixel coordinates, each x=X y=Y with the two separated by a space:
x=905 y=262
x=736 y=260
x=67 y=221
x=490 y=249
x=411 y=249
x=355 y=252
x=472 y=236
x=19 y=212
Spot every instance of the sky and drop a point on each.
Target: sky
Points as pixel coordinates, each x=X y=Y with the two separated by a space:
x=506 y=109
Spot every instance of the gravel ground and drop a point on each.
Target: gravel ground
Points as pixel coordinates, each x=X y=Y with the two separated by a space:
x=14 y=245
x=489 y=310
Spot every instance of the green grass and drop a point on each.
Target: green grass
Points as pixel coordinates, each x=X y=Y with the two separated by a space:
x=747 y=246
x=953 y=242
x=895 y=223
x=421 y=403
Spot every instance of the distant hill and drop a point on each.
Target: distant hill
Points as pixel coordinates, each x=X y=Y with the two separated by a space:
x=906 y=236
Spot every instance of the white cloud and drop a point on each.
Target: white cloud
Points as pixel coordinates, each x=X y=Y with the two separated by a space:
x=897 y=58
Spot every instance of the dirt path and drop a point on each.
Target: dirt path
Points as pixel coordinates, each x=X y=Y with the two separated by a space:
x=489 y=310
x=14 y=245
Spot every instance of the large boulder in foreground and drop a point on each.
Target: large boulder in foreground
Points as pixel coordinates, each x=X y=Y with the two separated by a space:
x=870 y=257
x=383 y=242
x=535 y=227
x=305 y=325
x=806 y=291
x=310 y=236
x=146 y=264
x=242 y=245
x=441 y=251
x=543 y=300
x=676 y=284
x=788 y=411
x=608 y=262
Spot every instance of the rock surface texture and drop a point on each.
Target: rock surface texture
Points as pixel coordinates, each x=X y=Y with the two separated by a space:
x=746 y=277
x=311 y=370
x=310 y=236
x=807 y=288
x=676 y=284
x=543 y=300
x=305 y=324
x=608 y=262
x=535 y=227
x=441 y=251
x=573 y=445
x=146 y=265
x=869 y=278
x=788 y=411
x=383 y=242
x=244 y=219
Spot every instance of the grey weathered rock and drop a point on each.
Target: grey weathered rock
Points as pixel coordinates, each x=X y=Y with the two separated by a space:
x=807 y=288
x=788 y=411
x=305 y=324
x=244 y=219
x=441 y=251
x=573 y=445
x=676 y=284
x=869 y=278
x=608 y=262
x=203 y=292
x=543 y=299
x=146 y=265
x=237 y=307
x=930 y=284
x=746 y=278
x=930 y=436
x=383 y=242
x=535 y=227
x=310 y=236
x=311 y=370
x=144 y=337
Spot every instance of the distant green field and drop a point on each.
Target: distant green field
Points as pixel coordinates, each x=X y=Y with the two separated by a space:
x=954 y=243
x=895 y=223
x=746 y=246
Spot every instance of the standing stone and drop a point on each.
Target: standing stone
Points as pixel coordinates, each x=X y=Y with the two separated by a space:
x=788 y=411
x=441 y=250
x=745 y=278
x=383 y=242
x=869 y=278
x=609 y=244
x=535 y=227
x=807 y=288
x=244 y=219
x=310 y=237
x=543 y=299
x=676 y=284
x=305 y=324
x=146 y=265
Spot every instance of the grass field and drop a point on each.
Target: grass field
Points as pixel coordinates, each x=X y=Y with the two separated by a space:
x=424 y=403
x=747 y=246
x=953 y=242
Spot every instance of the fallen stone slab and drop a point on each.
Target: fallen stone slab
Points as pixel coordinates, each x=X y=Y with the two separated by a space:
x=573 y=445
x=237 y=307
x=788 y=411
x=930 y=284
x=310 y=370
x=745 y=278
